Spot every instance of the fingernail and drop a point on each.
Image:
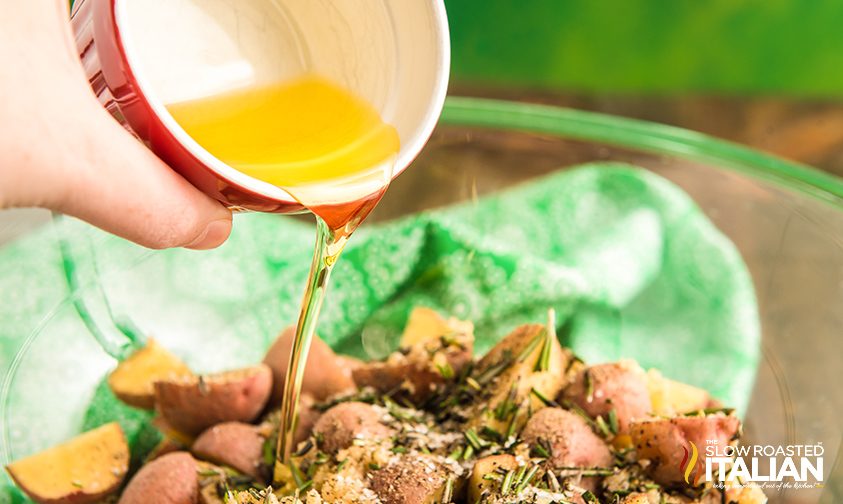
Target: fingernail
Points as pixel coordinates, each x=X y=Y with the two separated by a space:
x=213 y=236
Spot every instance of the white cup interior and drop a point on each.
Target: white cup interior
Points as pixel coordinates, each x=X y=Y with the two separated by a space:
x=394 y=53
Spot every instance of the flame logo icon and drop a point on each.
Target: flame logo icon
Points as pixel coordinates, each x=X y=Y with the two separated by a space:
x=688 y=465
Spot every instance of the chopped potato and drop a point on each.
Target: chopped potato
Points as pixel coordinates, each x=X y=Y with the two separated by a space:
x=171 y=479
x=669 y=397
x=192 y=404
x=82 y=470
x=518 y=375
x=133 y=380
x=491 y=465
x=434 y=352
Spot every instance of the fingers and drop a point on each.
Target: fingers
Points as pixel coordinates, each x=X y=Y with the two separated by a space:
x=121 y=187
x=60 y=149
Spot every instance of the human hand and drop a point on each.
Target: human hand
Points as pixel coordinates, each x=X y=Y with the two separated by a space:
x=59 y=149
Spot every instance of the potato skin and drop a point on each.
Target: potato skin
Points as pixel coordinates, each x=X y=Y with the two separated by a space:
x=619 y=386
x=234 y=444
x=572 y=442
x=82 y=470
x=519 y=381
x=671 y=398
x=192 y=404
x=339 y=426
x=433 y=352
x=133 y=380
x=662 y=441
x=325 y=374
x=410 y=480
x=309 y=414
x=170 y=479
x=484 y=466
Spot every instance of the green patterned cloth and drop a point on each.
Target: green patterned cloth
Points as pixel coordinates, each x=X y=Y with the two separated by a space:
x=631 y=265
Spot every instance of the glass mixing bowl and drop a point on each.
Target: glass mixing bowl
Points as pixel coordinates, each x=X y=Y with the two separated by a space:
x=786 y=220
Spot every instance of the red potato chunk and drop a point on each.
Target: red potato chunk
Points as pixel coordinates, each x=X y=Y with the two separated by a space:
x=170 y=479
x=325 y=374
x=192 y=404
x=412 y=479
x=234 y=444
x=620 y=387
x=434 y=351
x=338 y=427
x=82 y=470
x=572 y=442
x=663 y=441
x=309 y=414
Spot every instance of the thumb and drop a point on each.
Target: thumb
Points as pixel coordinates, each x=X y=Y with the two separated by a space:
x=122 y=187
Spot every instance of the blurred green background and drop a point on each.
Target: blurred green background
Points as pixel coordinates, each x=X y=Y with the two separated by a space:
x=783 y=47
x=764 y=73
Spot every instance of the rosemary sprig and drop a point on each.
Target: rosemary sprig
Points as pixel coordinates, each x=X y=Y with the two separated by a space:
x=508 y=406
x=589 y=386
x=543 y=364
x=445 y=370
x=298 y=476
x=490 y=433
x=604 y=429
x=492 y=372
x=538 y=338
x=475 y=441
x=590 y=498
x=613 y=421
x=543 y=398
x=710 y=411
x=448 y=494
x=543 y=448
x=526 y=479
x=588 y=471
x=568 y=405
x=506 y=484
x=552 y=481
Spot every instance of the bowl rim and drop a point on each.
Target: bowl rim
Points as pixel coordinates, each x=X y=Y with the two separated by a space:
x=645 y=136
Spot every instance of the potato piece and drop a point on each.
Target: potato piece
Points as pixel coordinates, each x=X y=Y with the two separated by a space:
x=619 y=386
x=512 y=382
x=571 y=441
x=671 y=398
x=325 y=374
x=211 y=490
x=487 y=465
x=168 y=431
x=425 y=325
x=413 y=479
x=339 y=426
x=171 y=479
x=664 y=441
x=639 y=498
x=434 y=351
x=192 y=404
x=81 y=470
x=309 y=414
x=133 y=380
x=165 y=446
x=234 y=444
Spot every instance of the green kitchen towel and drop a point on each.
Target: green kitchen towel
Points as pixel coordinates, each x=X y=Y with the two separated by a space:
x=631 y=265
